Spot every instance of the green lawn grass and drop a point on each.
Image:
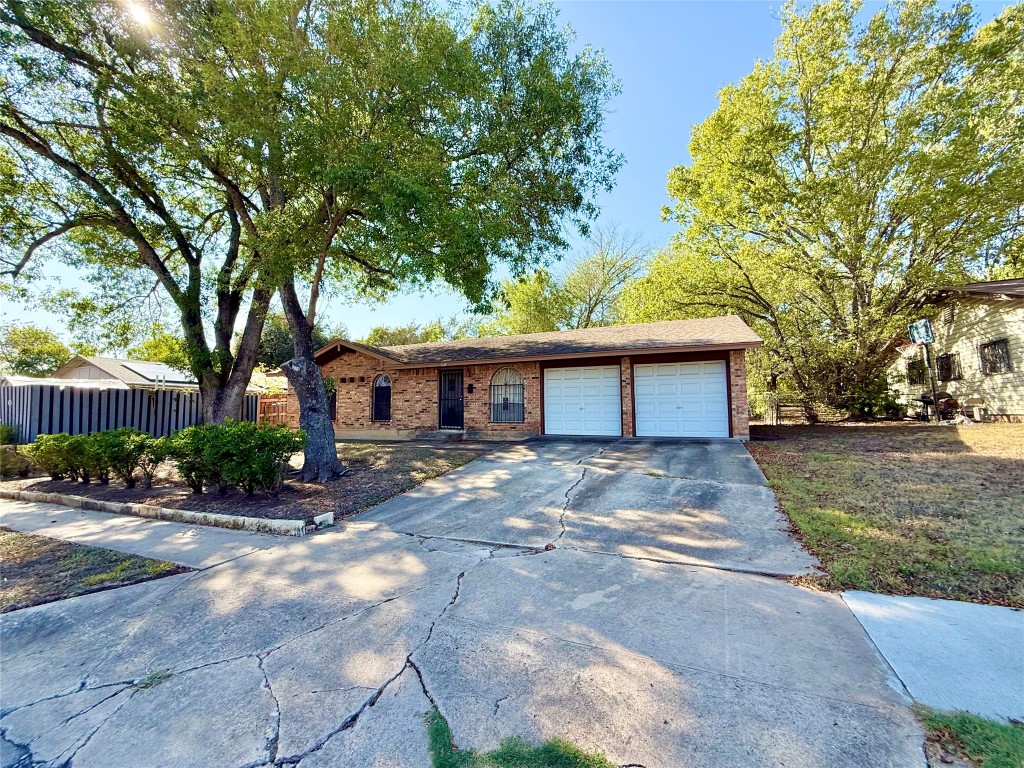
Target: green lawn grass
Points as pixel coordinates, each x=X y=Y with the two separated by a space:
x=987 y=744
x=906 y=509
x=513 y=753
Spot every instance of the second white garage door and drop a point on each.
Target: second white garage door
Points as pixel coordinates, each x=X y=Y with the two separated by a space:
x=582 y=401
x=681 y=399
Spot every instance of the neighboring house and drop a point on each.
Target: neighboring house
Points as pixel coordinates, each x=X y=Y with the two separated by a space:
x=682 y=378
x=136 y=374
x=92 y=394
x=978 y=349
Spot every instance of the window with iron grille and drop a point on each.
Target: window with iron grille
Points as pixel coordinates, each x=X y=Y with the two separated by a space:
x=917 y=373
x=995 y=357
x=507 y=402
x=382 y=398
x=947 y=367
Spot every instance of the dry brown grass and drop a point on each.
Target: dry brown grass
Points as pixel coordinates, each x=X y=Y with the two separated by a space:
x=906 y=508
x=38 y=570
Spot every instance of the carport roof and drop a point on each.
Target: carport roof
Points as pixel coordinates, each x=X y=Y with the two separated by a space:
x=711 y=333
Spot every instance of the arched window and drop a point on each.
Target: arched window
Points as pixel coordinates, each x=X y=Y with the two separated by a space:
x=382 y=398
x=507 y=397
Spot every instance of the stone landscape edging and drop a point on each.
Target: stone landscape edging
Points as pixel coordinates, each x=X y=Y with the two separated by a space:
x=213 y=519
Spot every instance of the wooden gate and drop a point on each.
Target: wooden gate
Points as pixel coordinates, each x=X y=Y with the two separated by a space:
x=273 y=409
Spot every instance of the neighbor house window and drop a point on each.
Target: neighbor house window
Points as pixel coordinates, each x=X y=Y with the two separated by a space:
x=947 y=367
x=995 y=357
x=917 y=373
x=382 y=398
x=507 y=392
x=947 y=315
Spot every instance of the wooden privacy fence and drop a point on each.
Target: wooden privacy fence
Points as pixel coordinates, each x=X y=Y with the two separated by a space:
x=273 y=409
x=46 y=409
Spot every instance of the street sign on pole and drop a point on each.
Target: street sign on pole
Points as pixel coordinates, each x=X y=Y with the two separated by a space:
x=921 y=332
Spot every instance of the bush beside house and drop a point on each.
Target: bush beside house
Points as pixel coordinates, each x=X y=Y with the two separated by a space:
x=251 y=457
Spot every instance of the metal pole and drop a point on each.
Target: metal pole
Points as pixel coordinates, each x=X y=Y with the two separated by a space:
x=931 y=378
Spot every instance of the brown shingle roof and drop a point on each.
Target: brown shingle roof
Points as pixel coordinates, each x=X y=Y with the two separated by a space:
x=728 y=332
x=1013 y=288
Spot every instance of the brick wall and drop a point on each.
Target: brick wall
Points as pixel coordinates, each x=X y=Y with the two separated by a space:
x=477 y=403
x=626 y=388
x=740 y=412
x=414 y=396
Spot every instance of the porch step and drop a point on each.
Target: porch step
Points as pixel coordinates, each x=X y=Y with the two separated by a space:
x=447 y=435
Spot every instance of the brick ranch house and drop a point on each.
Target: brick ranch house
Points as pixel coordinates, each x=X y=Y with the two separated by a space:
x=680 y=378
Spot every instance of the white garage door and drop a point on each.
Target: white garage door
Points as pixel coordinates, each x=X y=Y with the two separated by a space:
x=582 y=401
x=681 y=400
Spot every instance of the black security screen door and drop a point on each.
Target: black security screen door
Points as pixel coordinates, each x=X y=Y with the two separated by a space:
x=450 y=398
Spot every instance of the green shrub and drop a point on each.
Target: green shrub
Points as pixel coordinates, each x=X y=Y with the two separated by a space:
x=13 y=463
x=875 y=401
x=8 y=434
x=120 y=451
x=50 y=453
x=257 y=458
x=85 y=458
x=247 y=455
x=157 y=451
x=190 y=449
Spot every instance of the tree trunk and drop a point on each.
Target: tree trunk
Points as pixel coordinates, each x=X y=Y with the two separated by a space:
x=220 y=402
x=321 y=461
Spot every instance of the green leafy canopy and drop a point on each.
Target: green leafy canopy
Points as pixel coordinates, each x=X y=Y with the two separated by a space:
x=862 y=166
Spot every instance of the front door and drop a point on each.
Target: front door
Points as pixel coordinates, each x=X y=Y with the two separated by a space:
x=450 y=399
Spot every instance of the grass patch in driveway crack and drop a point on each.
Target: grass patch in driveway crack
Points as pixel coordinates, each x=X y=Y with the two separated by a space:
x=513 y=752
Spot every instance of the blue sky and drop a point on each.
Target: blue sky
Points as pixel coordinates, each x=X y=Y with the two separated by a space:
x=672 y=58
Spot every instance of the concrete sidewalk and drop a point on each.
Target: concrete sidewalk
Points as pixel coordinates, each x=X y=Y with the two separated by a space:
x=194 y=546
x=949 y=654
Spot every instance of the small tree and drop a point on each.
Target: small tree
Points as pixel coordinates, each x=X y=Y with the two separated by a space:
x=31 y=351
x=585 y=296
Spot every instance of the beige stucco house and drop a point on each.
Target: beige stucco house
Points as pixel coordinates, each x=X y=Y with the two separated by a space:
x=978 y=349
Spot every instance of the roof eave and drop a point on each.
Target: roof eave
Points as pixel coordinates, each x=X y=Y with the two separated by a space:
x=351 y=346
x=616 y=352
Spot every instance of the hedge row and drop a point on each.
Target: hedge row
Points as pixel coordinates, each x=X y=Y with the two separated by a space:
x=242 y=454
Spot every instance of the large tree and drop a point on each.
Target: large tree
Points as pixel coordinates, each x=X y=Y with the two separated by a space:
x=860 y=167
x=234 y=148
x=112 y=159
x=400 y=144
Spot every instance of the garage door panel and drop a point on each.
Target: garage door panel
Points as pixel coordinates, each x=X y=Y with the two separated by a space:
x=582 y=401
x=681 y=399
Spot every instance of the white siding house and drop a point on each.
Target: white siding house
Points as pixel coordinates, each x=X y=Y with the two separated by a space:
x=978 y=349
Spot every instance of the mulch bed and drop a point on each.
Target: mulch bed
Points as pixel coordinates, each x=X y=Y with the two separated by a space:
x=377 y=472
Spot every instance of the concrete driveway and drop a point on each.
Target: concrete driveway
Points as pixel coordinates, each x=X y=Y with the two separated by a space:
x=702 y=502
x=329 y=650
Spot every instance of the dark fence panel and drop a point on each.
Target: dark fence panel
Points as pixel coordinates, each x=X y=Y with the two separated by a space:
x=48 y=408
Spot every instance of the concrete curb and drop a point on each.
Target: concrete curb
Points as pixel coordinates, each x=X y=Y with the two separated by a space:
x=234 y=522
